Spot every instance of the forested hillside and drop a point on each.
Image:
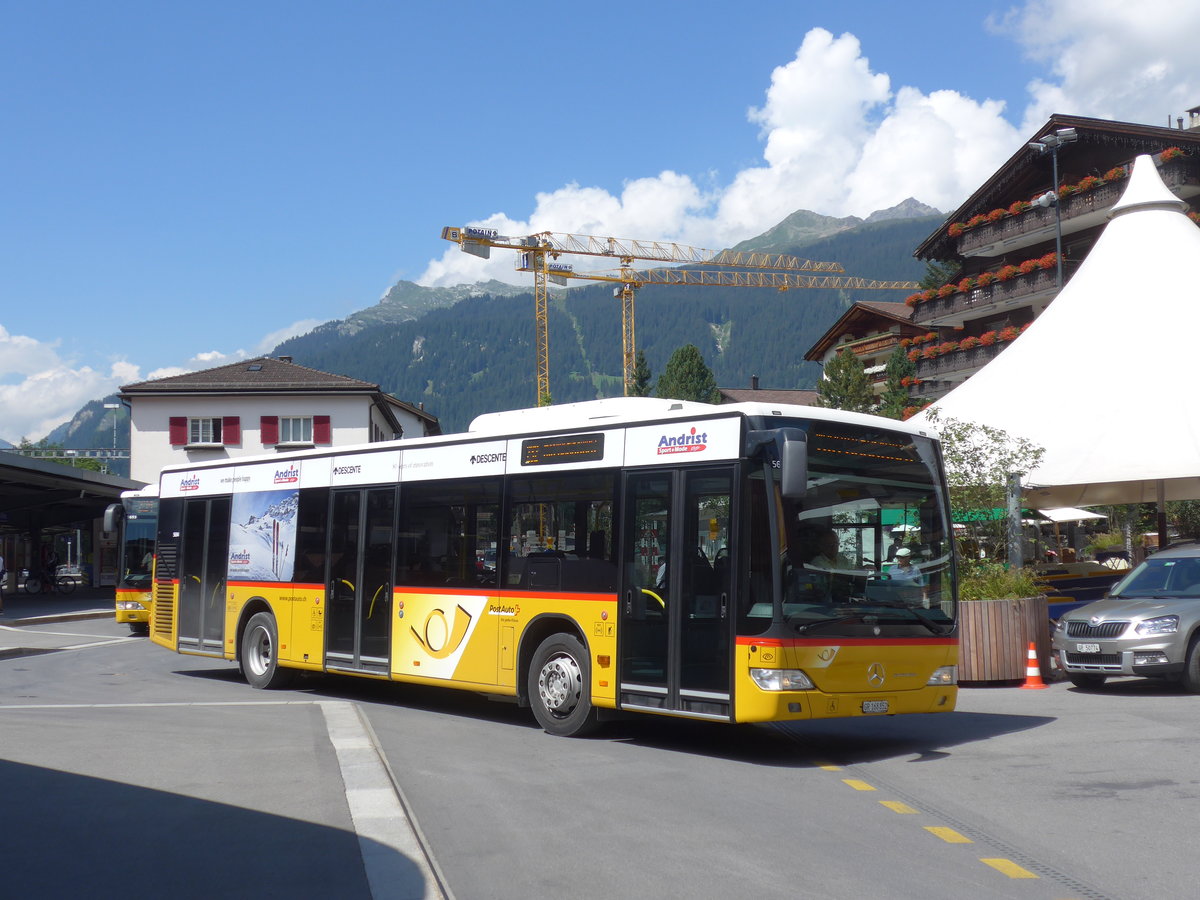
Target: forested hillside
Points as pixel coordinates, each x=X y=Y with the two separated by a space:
x=478 y=355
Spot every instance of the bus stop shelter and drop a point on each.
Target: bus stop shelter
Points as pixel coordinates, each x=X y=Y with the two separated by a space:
x=41 y=501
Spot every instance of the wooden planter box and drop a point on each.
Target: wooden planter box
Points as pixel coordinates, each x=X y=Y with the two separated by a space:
x=994 y=638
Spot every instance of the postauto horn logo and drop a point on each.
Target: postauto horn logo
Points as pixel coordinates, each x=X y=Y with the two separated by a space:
x=290 y=475
x=688 y=442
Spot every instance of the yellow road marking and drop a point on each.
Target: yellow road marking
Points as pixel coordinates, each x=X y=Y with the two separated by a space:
x=897 y=807
x=829 y=767
x=949 y=835
x=858 y=785
x=1009 y=868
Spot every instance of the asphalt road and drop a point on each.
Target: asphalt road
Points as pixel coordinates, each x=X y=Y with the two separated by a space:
x=129 y=771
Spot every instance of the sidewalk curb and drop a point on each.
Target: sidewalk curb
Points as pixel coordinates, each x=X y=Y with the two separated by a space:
x=57 y=617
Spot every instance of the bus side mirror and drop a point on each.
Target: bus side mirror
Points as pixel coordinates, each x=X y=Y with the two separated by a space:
x=793 y=462
x=113 y=514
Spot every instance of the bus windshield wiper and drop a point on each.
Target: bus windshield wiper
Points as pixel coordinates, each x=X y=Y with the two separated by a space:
x=837 y=620
x=919 y=614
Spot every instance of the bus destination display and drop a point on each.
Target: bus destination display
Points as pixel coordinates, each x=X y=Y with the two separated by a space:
x=567 y=448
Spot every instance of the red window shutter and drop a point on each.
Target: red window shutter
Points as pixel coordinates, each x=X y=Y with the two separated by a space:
x=269 y=426
x=322 y=431
x=231 y=430
x=178 y=431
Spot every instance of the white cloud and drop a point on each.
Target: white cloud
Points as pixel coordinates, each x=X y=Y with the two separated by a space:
x=870 y=150
x=1111 y=59
x=39 y=390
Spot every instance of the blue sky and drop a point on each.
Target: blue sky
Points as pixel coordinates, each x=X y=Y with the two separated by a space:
x=187 y=183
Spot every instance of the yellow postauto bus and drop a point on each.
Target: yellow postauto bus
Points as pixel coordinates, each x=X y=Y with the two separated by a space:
x=724 y=563
x=135 y=522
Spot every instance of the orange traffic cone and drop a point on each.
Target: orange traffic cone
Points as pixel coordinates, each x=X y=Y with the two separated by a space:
x=1033 y=672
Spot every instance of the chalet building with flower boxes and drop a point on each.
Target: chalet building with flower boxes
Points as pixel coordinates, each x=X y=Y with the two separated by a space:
x=1003 y=238
x=871 y=331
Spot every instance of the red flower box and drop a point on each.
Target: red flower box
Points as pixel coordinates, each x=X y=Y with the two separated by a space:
x=987 y=338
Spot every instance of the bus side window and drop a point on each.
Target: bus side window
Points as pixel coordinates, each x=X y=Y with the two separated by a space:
x=567 y=518
x=447 y=531
x=310 y=536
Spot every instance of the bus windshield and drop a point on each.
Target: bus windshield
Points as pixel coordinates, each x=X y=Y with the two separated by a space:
x=137 y=547
x=866 y=552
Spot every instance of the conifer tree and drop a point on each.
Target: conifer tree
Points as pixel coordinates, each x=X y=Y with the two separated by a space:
x=895 y=395
x=845 y=385
x=641 y=376
x=686 y=377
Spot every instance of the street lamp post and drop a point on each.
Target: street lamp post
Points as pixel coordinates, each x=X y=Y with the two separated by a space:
x=114 y=407
x=1050 y=144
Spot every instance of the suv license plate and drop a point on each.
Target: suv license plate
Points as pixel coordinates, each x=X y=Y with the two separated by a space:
x=875 y=706
x=1087 y=648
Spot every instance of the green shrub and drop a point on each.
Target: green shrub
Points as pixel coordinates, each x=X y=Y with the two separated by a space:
x=1113 y=540
x=986 y=580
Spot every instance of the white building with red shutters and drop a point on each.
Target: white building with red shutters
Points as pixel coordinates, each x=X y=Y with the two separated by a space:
x=259 y=406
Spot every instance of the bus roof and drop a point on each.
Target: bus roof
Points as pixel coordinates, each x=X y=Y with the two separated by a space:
x=613 y=412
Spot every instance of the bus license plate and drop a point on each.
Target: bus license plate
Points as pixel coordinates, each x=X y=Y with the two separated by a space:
x=875 y=706
x=1087 y=648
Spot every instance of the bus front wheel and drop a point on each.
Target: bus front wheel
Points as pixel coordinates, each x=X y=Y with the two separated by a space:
x=259 y=660
x=560 y=687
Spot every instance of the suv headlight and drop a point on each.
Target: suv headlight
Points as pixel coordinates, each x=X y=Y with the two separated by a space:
x=1160 y=625
x=781 y=679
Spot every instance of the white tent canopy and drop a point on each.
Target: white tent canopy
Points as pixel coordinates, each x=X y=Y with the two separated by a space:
x=1069 y=514
x=1103 y=379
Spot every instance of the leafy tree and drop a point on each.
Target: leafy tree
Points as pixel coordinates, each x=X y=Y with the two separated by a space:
x=25 y=448
x=641 y=376
x=1186 y=515
x=895 y=395
x=686 y=377
x=978 y=460
x=845 y=385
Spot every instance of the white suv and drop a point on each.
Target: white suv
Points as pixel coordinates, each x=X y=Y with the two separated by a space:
x=1148 y=624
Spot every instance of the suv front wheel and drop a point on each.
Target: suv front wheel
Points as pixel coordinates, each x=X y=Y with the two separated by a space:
x=1190 y=676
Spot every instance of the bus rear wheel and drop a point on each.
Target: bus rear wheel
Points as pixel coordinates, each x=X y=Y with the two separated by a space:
x=560 y=687
x=259 y=660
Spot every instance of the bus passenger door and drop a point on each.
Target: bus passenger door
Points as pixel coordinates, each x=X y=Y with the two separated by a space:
x=359 y=579
x=202 y=570
x=676 y=592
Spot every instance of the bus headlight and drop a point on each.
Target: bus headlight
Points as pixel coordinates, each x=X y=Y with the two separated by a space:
x=129 y=604
x=781 y=680
x=944 y=675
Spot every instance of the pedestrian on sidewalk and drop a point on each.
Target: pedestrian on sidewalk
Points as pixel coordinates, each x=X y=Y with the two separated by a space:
x=3 y=576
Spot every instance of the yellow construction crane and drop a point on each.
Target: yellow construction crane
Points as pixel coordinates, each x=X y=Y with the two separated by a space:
x=630 y=281
x=542 y=249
